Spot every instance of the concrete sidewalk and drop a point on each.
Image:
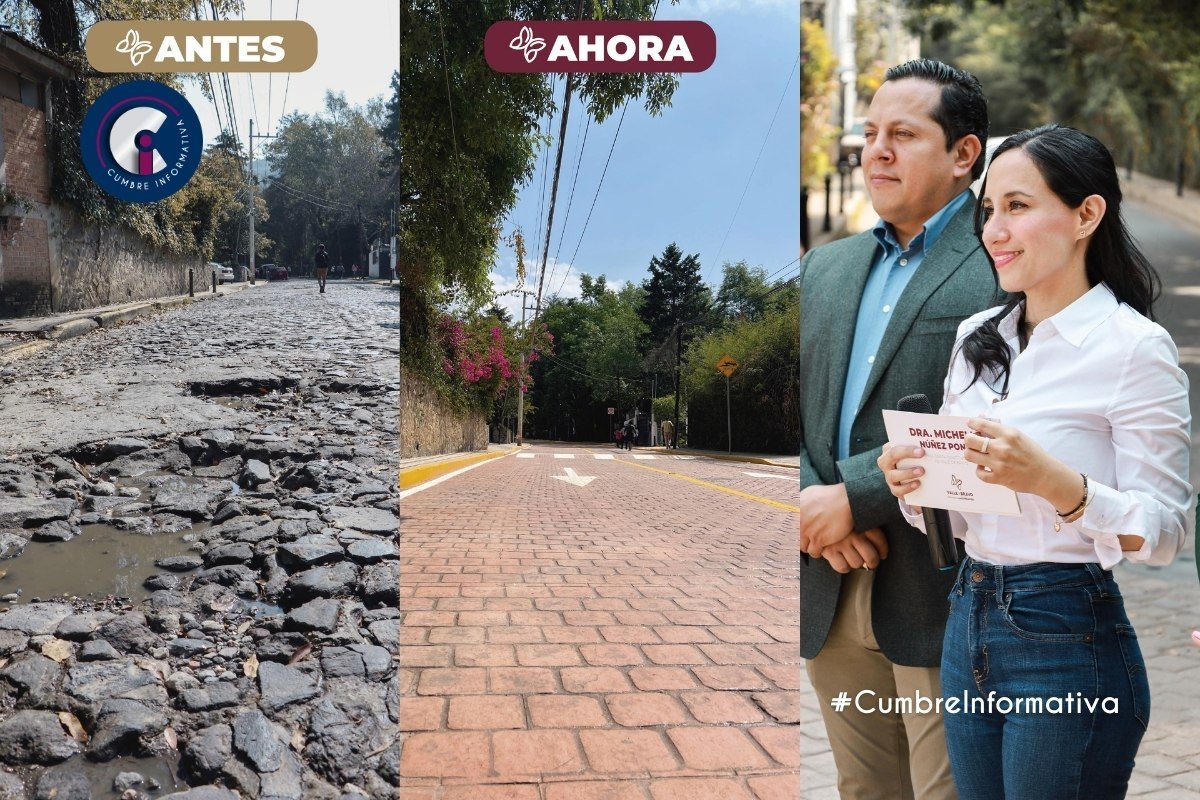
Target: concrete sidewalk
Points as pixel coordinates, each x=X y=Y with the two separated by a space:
x=26 y=335
x=1160 y=195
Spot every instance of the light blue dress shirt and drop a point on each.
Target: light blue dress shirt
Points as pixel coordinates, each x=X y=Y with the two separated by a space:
x=891 y=271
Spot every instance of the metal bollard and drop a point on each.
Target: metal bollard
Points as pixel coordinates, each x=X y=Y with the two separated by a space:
x=804 y=237
x=827 y=223
x=843 y=168
x=214 y=277
x=191 y=283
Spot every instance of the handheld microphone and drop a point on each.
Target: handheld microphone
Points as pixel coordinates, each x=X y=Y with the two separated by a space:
x=943 y=551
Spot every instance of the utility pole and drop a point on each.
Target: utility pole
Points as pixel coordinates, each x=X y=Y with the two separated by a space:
x=678 y=361
x=653 y=397
x=250 y=172
x=525 y=294
x=253 y=241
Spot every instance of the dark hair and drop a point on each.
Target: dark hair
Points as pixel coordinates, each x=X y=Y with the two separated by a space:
x=1075 y=165
x=963 y=108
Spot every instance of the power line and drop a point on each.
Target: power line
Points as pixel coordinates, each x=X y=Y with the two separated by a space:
x=604 y=172
x=596 y=196
x=288 y=82
x=750 y=177
x=570 y=201
x=208 y=75
x=270 y=75
x=546 y=157
x=250 y=83
x=562 y=135
x=331 y=205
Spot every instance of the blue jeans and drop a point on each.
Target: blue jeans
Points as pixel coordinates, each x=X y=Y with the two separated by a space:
x=1054 y=632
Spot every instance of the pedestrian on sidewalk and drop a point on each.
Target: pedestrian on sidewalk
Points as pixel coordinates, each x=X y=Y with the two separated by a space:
x=631 y=433
x=668 y=433
x=1101 y=465
x=914 y=277
x=322 y=263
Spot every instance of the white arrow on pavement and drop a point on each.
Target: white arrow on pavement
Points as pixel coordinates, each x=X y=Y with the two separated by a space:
x=572 y=478
x=769 y=475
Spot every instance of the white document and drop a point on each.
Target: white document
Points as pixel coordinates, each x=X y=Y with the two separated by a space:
x=949 y=481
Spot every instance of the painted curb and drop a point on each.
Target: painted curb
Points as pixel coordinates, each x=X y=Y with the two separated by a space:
x=422 y=473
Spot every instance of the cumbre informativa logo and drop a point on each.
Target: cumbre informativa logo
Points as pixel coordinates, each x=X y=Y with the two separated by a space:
x=141 y=141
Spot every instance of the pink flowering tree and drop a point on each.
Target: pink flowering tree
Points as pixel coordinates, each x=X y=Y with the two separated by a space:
x=481 y=357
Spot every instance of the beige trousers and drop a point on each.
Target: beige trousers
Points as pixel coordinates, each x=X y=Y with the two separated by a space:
x=880 y=753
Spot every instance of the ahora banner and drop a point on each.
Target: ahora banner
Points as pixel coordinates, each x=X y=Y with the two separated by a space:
x=600 y=46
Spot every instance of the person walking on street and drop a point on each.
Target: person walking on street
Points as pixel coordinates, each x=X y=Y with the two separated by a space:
x=322 y=262
x=878 y=316
x=668 y=432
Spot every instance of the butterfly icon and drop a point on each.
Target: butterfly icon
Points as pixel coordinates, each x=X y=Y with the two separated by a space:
x=133 y=45
x=527 y=42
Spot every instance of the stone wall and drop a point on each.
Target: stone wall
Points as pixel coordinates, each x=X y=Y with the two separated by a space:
x=430 y=427
x=97 y=266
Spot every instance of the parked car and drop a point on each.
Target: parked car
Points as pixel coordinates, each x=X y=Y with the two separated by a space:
x=223 y=274
x=276 y=272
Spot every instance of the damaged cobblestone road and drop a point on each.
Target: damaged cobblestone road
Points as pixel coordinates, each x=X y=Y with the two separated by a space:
x=198 y=553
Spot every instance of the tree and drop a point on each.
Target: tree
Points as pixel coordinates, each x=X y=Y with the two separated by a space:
x=675 y=294
x=328 y=182
x=596 y=364
x=469 y=135
x=182 y=223
x=817 y=83
x=389 y=132
x=1126 y=71
x=764 y=391
x=744 y=291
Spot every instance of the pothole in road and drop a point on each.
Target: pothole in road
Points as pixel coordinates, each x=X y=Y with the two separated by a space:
x=242 y=385
x=102 y=778
x=102 y=561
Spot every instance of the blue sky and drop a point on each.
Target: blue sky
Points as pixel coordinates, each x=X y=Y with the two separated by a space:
x=678 y=177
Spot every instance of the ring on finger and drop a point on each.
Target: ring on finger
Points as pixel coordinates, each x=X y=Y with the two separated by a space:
x=985 y=446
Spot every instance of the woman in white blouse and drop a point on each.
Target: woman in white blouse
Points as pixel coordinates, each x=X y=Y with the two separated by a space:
x=1087 y=419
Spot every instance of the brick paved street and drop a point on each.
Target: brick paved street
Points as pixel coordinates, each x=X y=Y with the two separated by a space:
x=634 y=638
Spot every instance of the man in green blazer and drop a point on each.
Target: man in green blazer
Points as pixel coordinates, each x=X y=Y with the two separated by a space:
x=878 y=317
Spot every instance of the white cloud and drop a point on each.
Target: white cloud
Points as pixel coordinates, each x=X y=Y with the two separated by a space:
x=561 y=280
x=699 y=9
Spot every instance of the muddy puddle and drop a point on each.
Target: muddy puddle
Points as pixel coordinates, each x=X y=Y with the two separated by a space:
x=101 y=561
x=101 y=777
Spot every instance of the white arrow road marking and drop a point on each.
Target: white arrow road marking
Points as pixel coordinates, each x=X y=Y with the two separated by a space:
x=572 y=478
x=769 y=475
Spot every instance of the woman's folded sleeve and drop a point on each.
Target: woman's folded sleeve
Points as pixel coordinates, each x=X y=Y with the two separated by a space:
x=1152 y=498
